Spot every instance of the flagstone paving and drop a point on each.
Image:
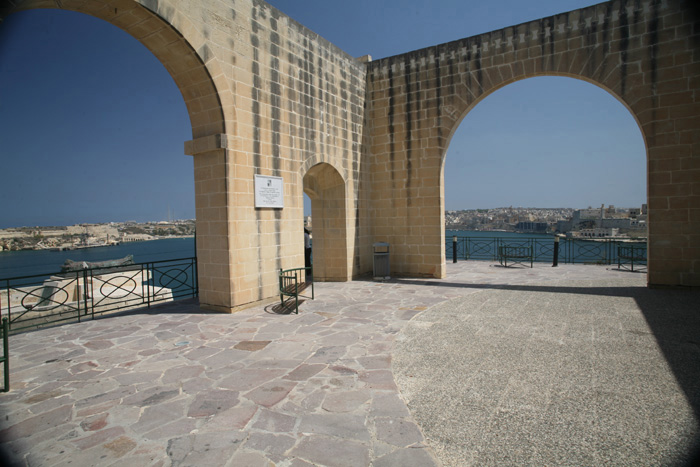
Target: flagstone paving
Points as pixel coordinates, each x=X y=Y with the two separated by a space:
x=346 y=382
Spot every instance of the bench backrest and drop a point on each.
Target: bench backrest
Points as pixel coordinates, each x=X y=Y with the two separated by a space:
x=515 y=251
x=636 y=253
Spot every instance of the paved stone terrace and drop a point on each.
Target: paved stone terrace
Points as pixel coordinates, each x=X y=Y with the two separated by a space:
x=561 y=366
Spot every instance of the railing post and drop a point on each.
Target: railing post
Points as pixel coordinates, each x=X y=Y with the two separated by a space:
x=9 y=301
x=632 y=267
x=195 y=279
x=150 y=275
x=6 y=353
x=78 y=294
x=555 y=260
x=85 y=293
x=454 y=249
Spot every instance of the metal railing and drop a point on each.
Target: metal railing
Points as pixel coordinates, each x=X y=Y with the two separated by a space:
x=629 y=255
x=5 y=359
x=571 y=250
x=32 y=302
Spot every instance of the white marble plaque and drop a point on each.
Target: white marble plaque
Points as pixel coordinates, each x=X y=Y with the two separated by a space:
x=269 y=192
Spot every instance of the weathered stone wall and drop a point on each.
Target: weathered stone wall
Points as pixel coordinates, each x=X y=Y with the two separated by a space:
x=298 y=101
x=265 y=96
x=645 y=53
x=367 y=142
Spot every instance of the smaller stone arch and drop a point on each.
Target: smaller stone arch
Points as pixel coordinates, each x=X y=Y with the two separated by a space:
x=317 y=159
x=327 y=188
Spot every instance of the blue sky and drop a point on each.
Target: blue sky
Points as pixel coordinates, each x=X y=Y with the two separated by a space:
x=92 y=126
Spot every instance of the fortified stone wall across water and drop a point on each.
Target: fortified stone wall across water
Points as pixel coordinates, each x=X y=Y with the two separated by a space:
x=367 y=142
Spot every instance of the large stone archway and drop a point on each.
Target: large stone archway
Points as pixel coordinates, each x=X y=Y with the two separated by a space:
x=645 y=54
x=266 y=96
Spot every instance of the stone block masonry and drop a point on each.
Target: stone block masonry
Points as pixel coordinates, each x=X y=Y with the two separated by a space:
x=366 y=140
x=645 y=54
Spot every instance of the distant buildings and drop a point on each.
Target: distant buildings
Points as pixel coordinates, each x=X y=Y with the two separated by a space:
x=590 y=222
x=87 y=235
x=508 y=219
x=594 y=222
x=535 y=227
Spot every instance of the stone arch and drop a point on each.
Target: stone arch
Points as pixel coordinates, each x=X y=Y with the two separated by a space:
x=174 y=41
x=187 y=55
x=317 y=159
x=644 y=54
x=506 y=83
x=327 y=189
x=459 y=121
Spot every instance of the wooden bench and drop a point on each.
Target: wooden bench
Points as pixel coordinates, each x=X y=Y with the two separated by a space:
x=293 y=282
x=628 y=255
x=516 y=255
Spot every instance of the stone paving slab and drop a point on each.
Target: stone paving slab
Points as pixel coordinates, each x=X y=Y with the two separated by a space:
x=567 y=372
x=178 y=386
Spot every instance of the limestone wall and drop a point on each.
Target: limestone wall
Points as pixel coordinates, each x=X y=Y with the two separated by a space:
x=296 y=101
x=646 y=54
x=367 y=142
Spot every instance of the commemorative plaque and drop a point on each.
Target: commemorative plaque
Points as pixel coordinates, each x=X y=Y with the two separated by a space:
x=269 y=192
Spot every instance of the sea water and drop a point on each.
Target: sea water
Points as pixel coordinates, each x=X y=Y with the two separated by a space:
x=35 y=262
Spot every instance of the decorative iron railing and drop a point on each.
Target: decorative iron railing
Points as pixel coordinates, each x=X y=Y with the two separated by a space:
x=31 y=302
x=571 y=250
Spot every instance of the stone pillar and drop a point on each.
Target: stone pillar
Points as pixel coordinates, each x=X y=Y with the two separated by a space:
x=213 y=245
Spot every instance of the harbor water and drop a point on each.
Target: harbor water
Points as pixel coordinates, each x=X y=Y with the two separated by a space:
x=34 y=262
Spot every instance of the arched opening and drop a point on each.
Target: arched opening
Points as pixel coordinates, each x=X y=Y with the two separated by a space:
x=95 y=128
x=550 y=143
x=184 y=53
x=324 y=185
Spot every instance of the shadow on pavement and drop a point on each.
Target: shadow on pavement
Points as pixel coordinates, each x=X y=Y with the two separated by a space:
x=606 y=291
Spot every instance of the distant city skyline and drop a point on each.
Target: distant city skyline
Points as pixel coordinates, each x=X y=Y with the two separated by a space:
x=93 y=130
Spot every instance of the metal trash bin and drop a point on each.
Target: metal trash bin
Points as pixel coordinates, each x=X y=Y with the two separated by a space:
x=381 y=261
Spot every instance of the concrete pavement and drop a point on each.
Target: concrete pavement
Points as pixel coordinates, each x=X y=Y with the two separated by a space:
x=491 y=366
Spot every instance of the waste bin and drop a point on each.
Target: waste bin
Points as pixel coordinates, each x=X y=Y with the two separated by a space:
x=381 y=261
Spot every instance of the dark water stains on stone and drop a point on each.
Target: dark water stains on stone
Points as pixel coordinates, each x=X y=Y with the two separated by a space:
x=438 y=93
x=276 y=110
x=591 y=43
x=607 y=37
x=451 y=74
x=409 y=127
x=261 y=8
x=468 y=70
x=256 y=96
x=624 y=45
x=654 y=46
x=479 y=71
x=205 y=53
x=391 y=131
x=548 y=57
